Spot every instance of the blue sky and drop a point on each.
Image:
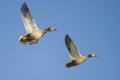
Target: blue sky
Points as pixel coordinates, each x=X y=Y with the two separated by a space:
x=94 y=25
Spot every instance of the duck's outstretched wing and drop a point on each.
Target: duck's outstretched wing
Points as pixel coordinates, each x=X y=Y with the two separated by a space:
x=72 y=48
x=27 y=18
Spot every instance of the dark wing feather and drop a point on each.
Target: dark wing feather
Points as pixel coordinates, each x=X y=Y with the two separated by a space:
x=72 y=48
x=27 y=18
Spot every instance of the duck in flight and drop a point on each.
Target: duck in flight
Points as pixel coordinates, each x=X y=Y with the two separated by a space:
x=75 y=56
x=33 y=32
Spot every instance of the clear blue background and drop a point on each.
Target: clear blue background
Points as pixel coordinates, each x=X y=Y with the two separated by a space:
x=94 y=25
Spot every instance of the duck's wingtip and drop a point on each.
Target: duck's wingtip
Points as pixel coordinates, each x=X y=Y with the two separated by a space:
x=66 y=35
x=25 y=3
x=24 y=9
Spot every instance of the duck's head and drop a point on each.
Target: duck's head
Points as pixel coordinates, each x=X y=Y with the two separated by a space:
x=50 y=29
x=92 y=55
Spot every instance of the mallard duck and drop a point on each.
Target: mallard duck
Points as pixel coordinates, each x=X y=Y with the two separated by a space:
x=75 y=56
x=33 y=32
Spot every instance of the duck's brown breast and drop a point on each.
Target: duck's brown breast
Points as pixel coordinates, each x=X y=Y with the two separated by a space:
x=38 y=33
x=79 y=60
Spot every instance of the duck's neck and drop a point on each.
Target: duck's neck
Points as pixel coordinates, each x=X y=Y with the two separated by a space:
x=89 y=56
x=47 y=30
